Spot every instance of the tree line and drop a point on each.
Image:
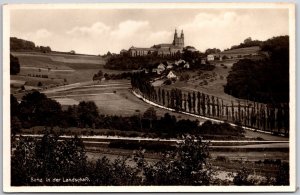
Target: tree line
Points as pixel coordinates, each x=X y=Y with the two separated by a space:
x=17 y=44
x=247 y=43
x=268 y=117
x=36 y=109
x=126 y=62
x=100 y=75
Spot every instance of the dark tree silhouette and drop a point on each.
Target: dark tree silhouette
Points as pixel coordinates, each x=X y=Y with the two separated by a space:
x=14 y=65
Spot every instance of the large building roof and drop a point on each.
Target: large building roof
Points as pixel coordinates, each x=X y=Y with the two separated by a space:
x=142 y=48
x=163 y=45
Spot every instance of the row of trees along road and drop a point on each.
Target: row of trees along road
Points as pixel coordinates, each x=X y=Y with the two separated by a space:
x=268 y=117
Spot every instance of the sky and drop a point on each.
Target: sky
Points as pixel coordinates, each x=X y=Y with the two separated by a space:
x=99 y=31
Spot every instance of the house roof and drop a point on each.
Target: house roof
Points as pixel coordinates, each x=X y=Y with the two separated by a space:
x=163 y=45
x=161 y=65
x=171 y=73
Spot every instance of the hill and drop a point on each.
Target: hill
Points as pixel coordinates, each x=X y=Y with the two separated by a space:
x=40 y=70
x=245 y=50
x=253 y=52
x=17 y=44
x=266 y=80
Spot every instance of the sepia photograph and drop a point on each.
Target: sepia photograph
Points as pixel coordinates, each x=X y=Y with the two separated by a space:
x=149 y=97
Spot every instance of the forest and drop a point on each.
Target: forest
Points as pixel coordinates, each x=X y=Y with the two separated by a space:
x=17 y=44
x=266 y=80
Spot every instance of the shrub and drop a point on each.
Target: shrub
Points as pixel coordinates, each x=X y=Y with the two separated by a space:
x=168 y=82
x=242 y=178
x=222 y=158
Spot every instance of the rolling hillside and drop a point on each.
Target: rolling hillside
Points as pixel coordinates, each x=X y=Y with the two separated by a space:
x=242 y=51
x=42 y=70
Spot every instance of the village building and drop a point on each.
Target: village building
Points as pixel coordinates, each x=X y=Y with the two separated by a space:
x=171 y=75
x=186 y=65
x=160 y=68
x=210 y=57
x=145 y=70
x=163 y=49
x=203 y=61
x=177 y=63
x=170 y=66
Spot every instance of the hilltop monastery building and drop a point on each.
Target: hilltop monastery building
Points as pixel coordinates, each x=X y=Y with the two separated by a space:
x=162 y=49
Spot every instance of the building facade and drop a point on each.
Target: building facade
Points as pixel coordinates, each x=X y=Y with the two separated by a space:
x=163 y=49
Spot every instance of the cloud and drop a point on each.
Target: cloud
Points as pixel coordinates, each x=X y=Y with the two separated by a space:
x=42 y=34
x=97 y=28
x=101 y=38
x=129 y=28
x=223 y=29
x=37 y=35
x=213 y=30
x=203 y=29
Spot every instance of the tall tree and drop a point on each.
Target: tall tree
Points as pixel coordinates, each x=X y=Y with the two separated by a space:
x=163 y=96
x=168 y=99
x=150 y=114
x=194 y=102
x=159 y=95
x=14 y=65
x=189 y=100
x=198 y=102
x=87 y=113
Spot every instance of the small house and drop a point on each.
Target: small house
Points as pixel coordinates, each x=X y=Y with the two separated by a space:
x=179 y=62
x=203 y=61
x=160 y=68
x=210 y=57
x=170 y=66
x=186 y=65
x=171 y=75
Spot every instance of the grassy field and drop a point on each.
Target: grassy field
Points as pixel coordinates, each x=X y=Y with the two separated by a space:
x=111 y=97
x=55 y=69
x=208 y=82
x=242 y=51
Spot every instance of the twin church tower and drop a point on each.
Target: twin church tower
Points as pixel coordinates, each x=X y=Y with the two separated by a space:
x=178 y=41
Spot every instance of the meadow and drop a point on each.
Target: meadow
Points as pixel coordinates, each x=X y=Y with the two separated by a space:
x=55 y=69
